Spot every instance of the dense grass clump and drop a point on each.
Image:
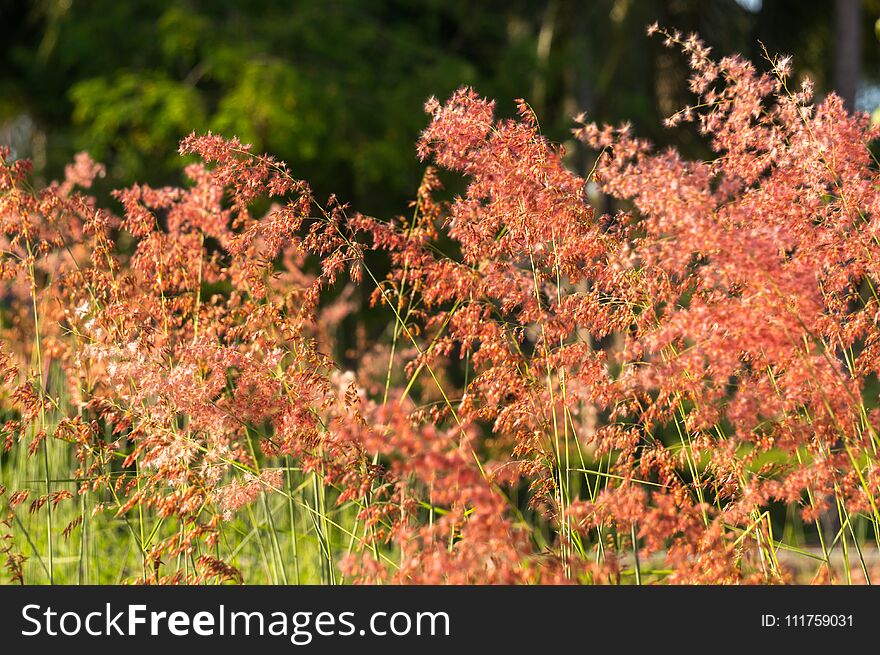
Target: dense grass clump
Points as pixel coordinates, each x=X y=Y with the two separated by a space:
x=683 y=392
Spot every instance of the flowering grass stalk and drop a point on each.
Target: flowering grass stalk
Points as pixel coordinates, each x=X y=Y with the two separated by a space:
x=684 y=391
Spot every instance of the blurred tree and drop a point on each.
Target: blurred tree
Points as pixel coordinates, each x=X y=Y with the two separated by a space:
x=336 y=87
x=848 y=46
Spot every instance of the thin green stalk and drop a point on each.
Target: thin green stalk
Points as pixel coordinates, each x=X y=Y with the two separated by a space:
x=45 y=445
x=635 y=542
x=294 y=537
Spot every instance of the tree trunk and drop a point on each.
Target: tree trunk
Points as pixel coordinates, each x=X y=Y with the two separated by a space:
x=847 y=42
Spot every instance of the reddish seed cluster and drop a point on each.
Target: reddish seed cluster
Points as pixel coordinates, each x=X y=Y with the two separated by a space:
x=555 y=389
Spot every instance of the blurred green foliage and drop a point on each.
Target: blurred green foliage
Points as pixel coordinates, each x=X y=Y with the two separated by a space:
x=335 y=87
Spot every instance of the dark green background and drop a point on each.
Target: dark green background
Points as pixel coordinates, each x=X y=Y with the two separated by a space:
x=336 y=87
